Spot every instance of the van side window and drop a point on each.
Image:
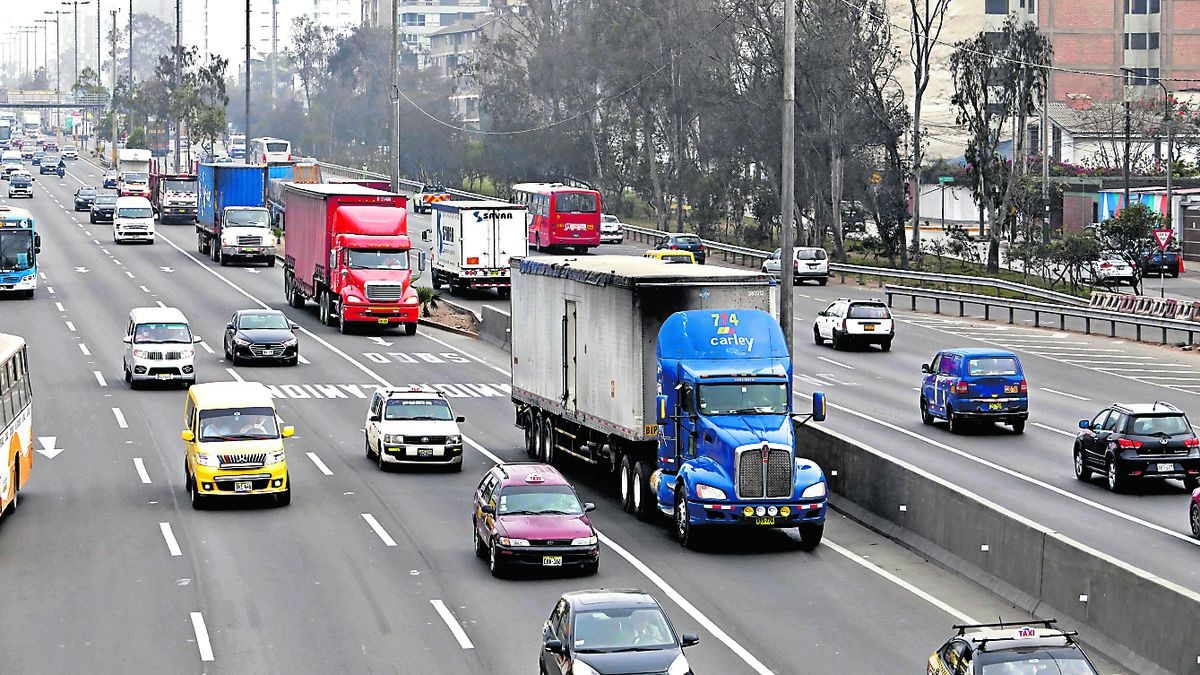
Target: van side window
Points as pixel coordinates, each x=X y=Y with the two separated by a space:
x=946 y=367
x=377 y=405
x=189 y=412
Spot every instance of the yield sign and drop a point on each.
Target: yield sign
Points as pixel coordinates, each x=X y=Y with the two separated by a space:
x=1163 y=237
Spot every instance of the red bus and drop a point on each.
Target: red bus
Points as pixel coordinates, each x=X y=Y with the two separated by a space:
x=560 y=215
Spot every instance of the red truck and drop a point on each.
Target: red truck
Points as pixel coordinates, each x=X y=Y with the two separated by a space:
x=346 y=247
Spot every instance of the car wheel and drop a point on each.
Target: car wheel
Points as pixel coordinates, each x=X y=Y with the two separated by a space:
x=379 y=457
x=811 y=535
x=128 y=375
x=837 y=341
x=886 y=345
x=1116 y=482
x=1082 y=472
x=684 y=533
x=16 y=490
x=271 y=261
x=1018 y=426
x=199 y=501
x=1194 y=517
x=591 y=568
x=953 y=423
x=644 y=500
x=481 y=549
x=494 y=565
x=926 y=416
x=817 y=339
x=822 y=282
x=625 y=476
x=284 y=498
x=367 y=447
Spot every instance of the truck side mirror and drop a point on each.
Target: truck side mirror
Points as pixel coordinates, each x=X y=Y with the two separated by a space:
x=661 y=408
x=818 y=406
x=421 y=261
x=425 y=235
x=37 y=243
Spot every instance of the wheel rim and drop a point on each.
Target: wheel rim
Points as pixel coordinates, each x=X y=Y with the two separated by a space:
x=492 y=556
x=1078 y=463
x=1195 y=521
x=681 y=518
x=624 y=482
x=637 y=492
x=379 y=454
x=1112 y=474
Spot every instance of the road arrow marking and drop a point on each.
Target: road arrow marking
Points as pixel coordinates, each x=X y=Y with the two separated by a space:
x=380 y=341
x=168 y=270
x=81 y=270
x=48 y=443
x=251 y=270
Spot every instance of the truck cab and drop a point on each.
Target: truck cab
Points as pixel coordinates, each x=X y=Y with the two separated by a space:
x=174 y=197
x=245 y=233
x=726 y=451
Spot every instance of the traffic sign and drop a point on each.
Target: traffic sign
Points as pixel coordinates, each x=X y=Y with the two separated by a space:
x=1163 y=237
x=944 y=180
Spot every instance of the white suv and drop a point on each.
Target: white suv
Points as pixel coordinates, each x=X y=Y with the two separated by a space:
x=612 y=230
x=855 y=321
x=413 y=426
x=807 y=263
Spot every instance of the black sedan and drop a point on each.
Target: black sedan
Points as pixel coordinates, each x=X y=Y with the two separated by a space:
x=102 y=209
x=615 y=631
x=684 y=242
x=85 y=197
x=261 y=335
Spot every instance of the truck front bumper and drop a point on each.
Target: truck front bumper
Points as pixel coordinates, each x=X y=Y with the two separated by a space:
x=380 y=314
x=186 y=213
x=787 y=514
x=256 y=252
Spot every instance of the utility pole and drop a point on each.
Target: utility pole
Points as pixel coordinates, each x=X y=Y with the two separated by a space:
x=274 y=51
x=130 y=50
x=788 y=174
x=246 y=130
x=112 y=106
x=1125 y=102
x=206 y=28
x=1044 y=131
x=58 y=65
x=175 y=76
x=394 y=141
x=45 y=26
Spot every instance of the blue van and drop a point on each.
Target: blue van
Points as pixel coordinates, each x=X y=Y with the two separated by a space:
x=966 y=385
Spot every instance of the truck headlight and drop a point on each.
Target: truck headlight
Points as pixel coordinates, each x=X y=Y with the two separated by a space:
x=454 y=440
x=709 y=492
x=505 y=541
x=274 y=457
x=353 y=298
x=584 y=541
x=226 y=241
x=205 y=459
x=395 y=439
x=814 y=491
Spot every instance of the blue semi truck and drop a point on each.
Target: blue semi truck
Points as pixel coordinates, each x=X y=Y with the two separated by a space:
x=676 y=379
x=232 y=219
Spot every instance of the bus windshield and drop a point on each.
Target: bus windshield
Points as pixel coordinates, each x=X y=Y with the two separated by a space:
x=16 y=250
x=575 y=202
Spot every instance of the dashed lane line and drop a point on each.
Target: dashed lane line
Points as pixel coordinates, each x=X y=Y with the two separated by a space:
x=140 y=466
x=455 y=628
x=202 y=641
x=169 y=537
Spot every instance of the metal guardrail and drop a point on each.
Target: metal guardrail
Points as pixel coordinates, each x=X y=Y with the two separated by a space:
x=412 y=185
x=1038 y=309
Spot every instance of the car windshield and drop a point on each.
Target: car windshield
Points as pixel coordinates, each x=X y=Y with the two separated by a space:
x=742 y=399
x=992 y=365
x=238 y=425
x=152 y=333
x=418 y=409
x=575 y=202
x=87 y=192
x=617 y=630
x=106 y=201
x=135 y=212
x=1052 y=661
x=263 y=322
x=377 y=259
x=868 y=312
x=16 y=250
x=247 y=218
x=21 y=178
x=1156 y=425
x=188 y=186
x=539 y=499
x=52 y=159
x=810 y=254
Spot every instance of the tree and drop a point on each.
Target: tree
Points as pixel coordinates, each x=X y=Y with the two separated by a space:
x=998 y=80
x=925 y=26
x=1130 y=233
x=312 y=45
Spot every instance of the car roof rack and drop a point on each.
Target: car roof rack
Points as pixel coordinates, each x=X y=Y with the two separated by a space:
x=1067 y=635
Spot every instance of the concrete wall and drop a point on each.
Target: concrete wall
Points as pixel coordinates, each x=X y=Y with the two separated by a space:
x=1148 y=624
x=495 y=327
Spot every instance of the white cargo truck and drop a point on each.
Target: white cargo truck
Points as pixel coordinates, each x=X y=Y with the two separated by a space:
x=133 y=172
x=473 y=242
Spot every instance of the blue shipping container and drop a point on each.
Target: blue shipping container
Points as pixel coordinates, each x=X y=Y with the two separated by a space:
x=224 y=185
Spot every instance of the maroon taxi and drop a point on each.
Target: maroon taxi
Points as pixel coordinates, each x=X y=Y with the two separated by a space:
x=527 y=515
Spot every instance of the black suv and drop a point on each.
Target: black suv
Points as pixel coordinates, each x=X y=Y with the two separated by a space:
x=1129 y=442
x=684 y=242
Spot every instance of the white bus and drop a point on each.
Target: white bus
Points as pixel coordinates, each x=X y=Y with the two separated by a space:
x=267 y=150
x=16 y=426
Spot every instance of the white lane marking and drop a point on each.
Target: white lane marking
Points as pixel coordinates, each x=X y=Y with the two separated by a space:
x=683 y=603
x=141 y=470
x=320 y=465
x=233 y=373
x=70 y=326
x=205 y=347
x=1020 y=476
x=100 y=378
x=1173 y=369
x=469 y=356
x=50 y=290
x=117 y=261
x=866 y=564
x=1063 y=393
x=1057 y=431
x=83 y=348
x=452 y=624
x=129 y=274
x=104 y=251
x=42 y=275
x=836 y=363
x=144 y=289
x=120 y=418
x=59 y=307
x=303 y=360
x=160 y=303
x=387 y=538
x=169 y=536
x=206 y=650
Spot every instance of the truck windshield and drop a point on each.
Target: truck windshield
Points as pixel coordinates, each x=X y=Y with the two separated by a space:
x=377 y=259
x=16 y=250
x=742 y=399
x=135 y=177
x=180 y=186
x=247 y=219
x=238 y=425
x=418 y=409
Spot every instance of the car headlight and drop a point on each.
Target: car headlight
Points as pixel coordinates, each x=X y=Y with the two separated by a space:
x=274 y=457
x=289 y=343
x=140 y=353
x=187 y=353
x=814 y=491
x=709 y=492
x=240 y=342
x=679 y=666
x=505 y=541
x=393 y=438
x=584 y=541
x=581 y=668
x=205 y=459
x=454 y=440
x=353 y=298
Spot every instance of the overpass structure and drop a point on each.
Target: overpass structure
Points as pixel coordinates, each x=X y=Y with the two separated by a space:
x=48 y=98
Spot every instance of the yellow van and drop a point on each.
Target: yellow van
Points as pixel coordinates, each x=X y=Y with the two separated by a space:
x=234 y=443
x=671 y=256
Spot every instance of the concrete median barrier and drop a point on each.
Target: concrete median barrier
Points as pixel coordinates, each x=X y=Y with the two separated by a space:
x=496 y=326
x=1148 y=624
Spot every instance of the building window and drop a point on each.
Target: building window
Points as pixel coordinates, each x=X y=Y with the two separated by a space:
x=1152 y=41
x=1141 y=41
x=1141 y=6
x=1141 y=77
x=1033 y=6
x=995 y=6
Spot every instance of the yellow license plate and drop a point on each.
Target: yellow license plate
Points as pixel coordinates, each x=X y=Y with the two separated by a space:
x=995 y=406
x=868 y=327
x=383 y=321
x=649 y=429
x=765 y=520
x=1010 y=388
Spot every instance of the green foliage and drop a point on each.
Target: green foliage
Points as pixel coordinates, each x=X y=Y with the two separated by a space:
x=1131 y=231
x=428 y=299
x=137 y=138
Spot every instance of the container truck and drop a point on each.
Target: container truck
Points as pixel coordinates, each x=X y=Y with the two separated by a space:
x=32 y=120
x=133 y=172
x=278 y=176
x=473 y=243
x=232 y=220
x=347 y=248
x=674 y=378
x=173 y=195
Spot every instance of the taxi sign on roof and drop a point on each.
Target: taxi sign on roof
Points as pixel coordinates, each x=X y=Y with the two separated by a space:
x=1026 y=632
x=534 y=478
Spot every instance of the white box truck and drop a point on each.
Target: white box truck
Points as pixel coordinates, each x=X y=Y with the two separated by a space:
x=133 y=172
x=473 y=242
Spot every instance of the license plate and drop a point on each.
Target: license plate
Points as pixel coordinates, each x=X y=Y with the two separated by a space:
x=268 y=352
x=552 y=561
x=424 y=452
x=995 y=406
x=247 y=250
x=165 y=376
x=383 y=321
x=1010 y=388
x=243 y=486
x=765 y=520
x=868 y=327
x=1166 y=468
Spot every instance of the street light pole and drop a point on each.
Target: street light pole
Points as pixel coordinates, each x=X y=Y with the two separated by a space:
x=394 y=137
x=246 y=130
x=788 y=175
x=58 y=62
x=75 y=5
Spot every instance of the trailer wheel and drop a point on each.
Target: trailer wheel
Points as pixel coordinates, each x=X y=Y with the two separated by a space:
x=201 y=242
x=531 y=439
x=548 y=425
x=436 y=280
x=644 y=500
x=625 y=476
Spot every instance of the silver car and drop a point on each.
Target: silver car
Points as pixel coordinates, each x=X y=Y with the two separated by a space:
x=612 y=230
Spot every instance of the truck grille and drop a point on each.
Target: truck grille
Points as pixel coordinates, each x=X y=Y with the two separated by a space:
x=771 y=479
x=252 y=240
x=247 y=460
x=384 y=291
